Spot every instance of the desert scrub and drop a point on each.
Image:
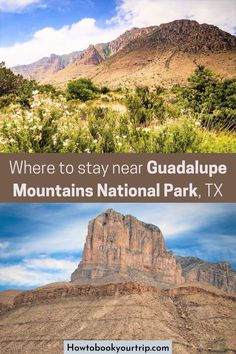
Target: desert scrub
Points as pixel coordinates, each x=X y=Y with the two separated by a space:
x=49 y=126
x=82 y=89
x=144 y=106
x=105 y=127
x=211 y=98
x=218 y=142
x=141 y=120
x=182 y=135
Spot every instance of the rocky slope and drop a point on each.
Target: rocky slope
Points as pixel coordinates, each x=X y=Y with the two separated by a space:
x=164 y=54
x=220 y=275
x=44 y=68
x=127 y=286
x=197 y=319
x=121 y=247
x=47 y=66
x=7 y=299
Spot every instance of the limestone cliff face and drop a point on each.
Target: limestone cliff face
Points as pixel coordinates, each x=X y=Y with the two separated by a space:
x=122 y=247
x=220 y=275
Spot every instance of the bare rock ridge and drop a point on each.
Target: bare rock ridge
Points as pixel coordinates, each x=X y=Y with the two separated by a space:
x=121 y=247
x=90 y=56
x=46 y=65
x=147 y=44
x=188 y=36
x=220 y=275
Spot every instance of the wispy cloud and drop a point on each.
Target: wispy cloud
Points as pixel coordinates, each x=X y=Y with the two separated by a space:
x=212 y=248
x=59 y=240
x=4 y=245
x=37 y=272
x=17 y=5
x=154 y=12
x=66 y=39
x=46 y=242
x=129 y=13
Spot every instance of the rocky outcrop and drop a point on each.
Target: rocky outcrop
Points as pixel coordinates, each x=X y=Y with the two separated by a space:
x=148 y=45
x=121 y=247
x=220 y=275
x=128 y=37
x=7 y=299
x=197 y=321
x=90 y=56
x=49 y=294
x=192 y=37
x=46 y=66
x=58 y=293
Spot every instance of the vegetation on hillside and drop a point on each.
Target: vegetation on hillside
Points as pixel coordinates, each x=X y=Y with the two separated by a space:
x=200 y=117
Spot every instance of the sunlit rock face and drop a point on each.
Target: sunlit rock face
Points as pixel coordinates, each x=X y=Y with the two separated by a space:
x=122 y=247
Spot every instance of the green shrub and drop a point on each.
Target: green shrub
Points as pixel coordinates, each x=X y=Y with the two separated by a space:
x=9 y=82
x=104 y=90
x=6 y=100
x=180 y=136
x=213 y=100
x=82 y=89
x=102 y=125
x=221 y=119
x=144 y=106
x=49 y=89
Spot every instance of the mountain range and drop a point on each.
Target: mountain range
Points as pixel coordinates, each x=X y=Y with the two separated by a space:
x=127 y=286
x=165 y=54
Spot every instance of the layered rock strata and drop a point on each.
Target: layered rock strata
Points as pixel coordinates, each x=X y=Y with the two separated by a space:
x=220 y=275
x=121 y=247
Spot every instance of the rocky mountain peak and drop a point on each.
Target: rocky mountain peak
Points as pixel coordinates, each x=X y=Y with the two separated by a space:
x=122 y=247
x=90 y=56
x=161 y=49
x=192 y=37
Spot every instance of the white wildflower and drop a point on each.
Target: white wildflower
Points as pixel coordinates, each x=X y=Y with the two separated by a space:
x=66 y=143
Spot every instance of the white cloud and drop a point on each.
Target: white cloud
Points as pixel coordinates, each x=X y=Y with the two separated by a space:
x=37 y=267
x=59 y=41
x=4 y=245
x=175 y=220
x=16 y=5
x=37 y=272
x=154 y=12
x=130 y=13
x=45 y=263
x=69 y=238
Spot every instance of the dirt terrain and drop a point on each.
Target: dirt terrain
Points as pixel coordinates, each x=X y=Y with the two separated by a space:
x=127 y=286
x=197 y=318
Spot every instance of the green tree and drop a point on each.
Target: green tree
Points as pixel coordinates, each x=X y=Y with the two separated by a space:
x=144 y=105
x=200 y=94
x=211 y=99
x=82 y=89
x=9 y=82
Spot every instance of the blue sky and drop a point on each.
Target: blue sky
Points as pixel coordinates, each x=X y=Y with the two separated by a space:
x=42 y=243
x=31 y=29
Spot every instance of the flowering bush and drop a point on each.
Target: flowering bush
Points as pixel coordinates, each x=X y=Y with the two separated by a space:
x=50 y=123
